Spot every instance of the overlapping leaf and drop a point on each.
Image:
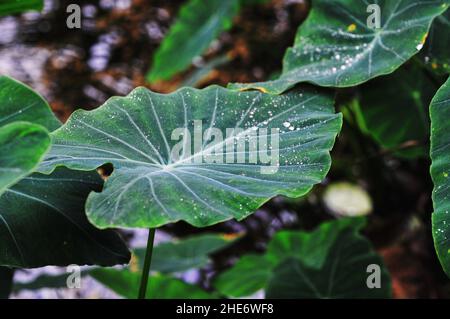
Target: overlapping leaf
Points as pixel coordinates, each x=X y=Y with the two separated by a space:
x=440 y=172
x=150 y=188
x=336 y=47
x=199 y=23
x=330 y=262
x=22 y=147
x=42 y=220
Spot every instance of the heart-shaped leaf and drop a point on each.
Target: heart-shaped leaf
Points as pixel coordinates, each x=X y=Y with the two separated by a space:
x=402 y=97
x=42 y=222
x=336 y=46
x=126 y=284
x=17 y=6
x=330 y=262
x=440 y=173
x=198 y=24
x=22 y=147
x=166 y=169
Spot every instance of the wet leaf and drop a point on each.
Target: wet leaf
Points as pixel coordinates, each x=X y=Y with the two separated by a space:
x=159 y=180
x=335 y=46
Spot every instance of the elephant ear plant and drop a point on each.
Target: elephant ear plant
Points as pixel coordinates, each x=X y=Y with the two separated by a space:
x=205 y=156
x=167 y=168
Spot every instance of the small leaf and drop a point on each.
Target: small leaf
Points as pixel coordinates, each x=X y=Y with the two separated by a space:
x=126 y=284
x=42 y=222
x=335 y=47
x=22 y=147
x=186 y=253
x=151 y=187
x=198 y=24
x=440 y=173
x=329 y=262
x=8 y=7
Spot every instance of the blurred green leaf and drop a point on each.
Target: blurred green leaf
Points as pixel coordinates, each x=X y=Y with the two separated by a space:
x=440 y=173
x=8 y=7
x=126 y=284
x=335 y=47
x=198 y=24
x=187 y=253
x=329 y=262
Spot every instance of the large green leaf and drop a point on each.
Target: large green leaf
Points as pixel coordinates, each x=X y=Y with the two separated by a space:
x=6 y=282
x=394 y=109
x=42 y=222
x=22 y=147
x=440 y=172
x=187 y=253
x=126 y=284
x=198 y=24
x=335 y=47
x=330 y=262
x=149 y=188
x=17 y=6
x=435 y=54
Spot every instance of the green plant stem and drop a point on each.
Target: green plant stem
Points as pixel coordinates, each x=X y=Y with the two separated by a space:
x=147 y=263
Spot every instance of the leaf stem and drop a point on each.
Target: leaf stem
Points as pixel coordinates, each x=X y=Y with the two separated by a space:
x=147 y=263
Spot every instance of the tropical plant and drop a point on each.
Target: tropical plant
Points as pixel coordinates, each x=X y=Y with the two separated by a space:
x=58 y=207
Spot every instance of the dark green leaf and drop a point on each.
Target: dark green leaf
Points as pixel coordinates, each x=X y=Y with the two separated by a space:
x=150 y=187
x=198 y=24
x=126 y=284
x=394 y=109
x=440 y=172
x=42 y=222
x=335 y=47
